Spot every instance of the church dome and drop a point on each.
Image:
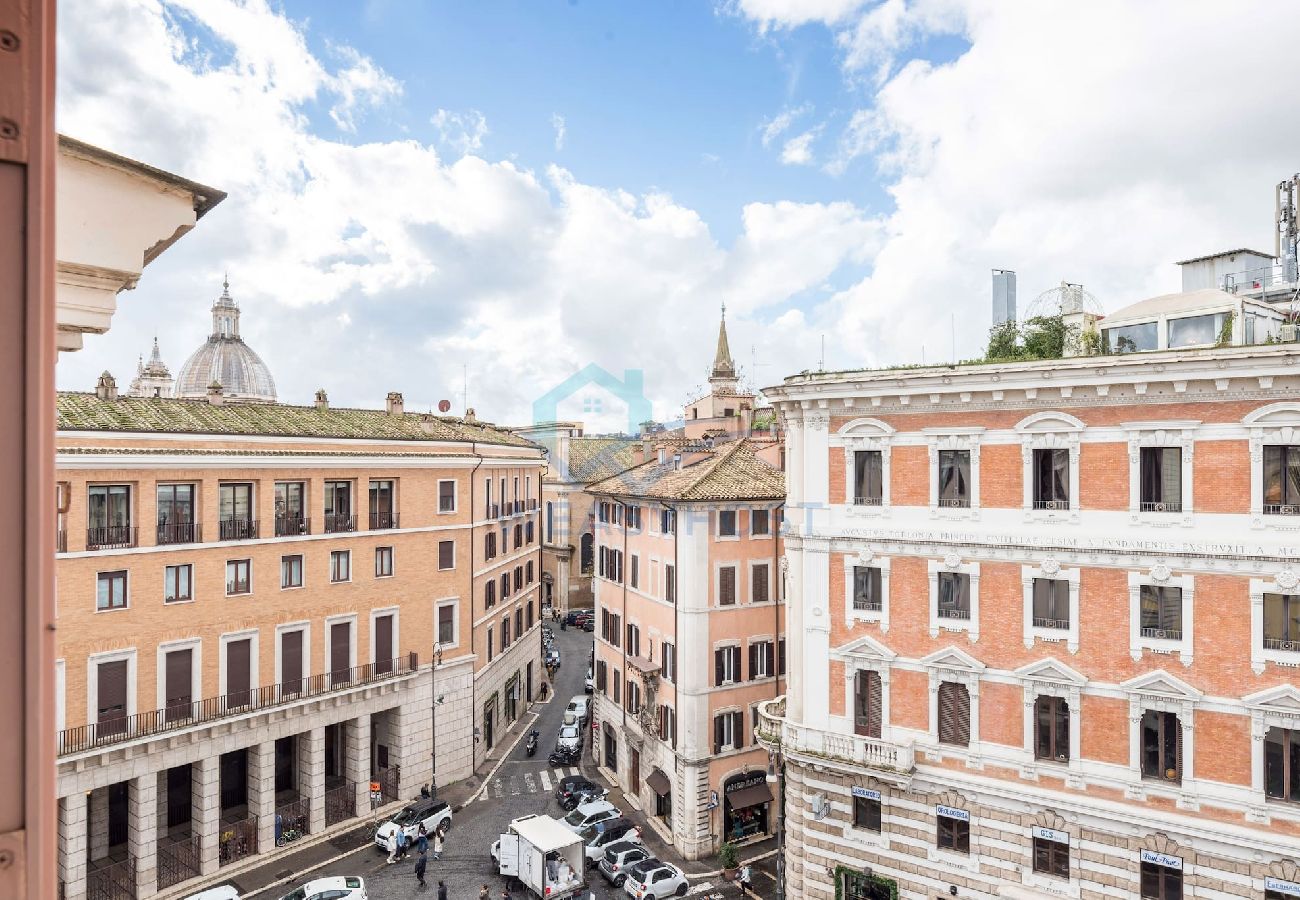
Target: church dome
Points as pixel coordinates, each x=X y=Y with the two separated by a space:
x=225 y=359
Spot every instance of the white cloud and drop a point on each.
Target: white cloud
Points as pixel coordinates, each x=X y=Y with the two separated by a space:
x=557 y=122
x=792 y=13
x=360 y=84
x=462 y=132
x=773 y=128
x=798 y=150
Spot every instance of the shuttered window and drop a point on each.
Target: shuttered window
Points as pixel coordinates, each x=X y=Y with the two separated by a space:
x=727 y=585
x=111 y=677
x=954 y=714
x=762 y=659
x=866 y=704
x=384 y=643
x=291 y=662
x=446 y=554
x=1162 y=746
x=180 y=685
x=726 y=665
x=239 y=673
x=758 y=586
x=340 y=653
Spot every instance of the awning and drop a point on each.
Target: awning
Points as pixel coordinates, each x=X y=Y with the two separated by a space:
x=750 y=796
x=659 y=783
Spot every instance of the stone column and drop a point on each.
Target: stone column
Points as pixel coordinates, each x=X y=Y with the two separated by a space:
x=72 y=845
x=261 y=792
x=205 y=810
x=142 y=832
x=356 y=759
x=311 y=776
x=410 y=733
x=98 y=823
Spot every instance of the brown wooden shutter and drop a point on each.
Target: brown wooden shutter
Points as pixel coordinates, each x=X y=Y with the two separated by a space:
x=759 y=588
x=954 y=714
x=717 y=734
x=239 y=672
x=291 y=662
x=769 y=650
x=873 y=704
x=180 y=685
x=727 y=585
x=340 y=652
x=719 y=667
x=112 y=697
x=384 y=643
x=753 y=661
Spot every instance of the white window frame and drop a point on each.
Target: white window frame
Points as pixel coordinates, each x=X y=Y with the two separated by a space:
x=1284 y=582
x=865 y=434
x=330 y=621
x=952 y=563
x=1276 y=423
x=866 y=557
x=1051 y=678
x=717 y=521
x=729 y=712
x=396 y=613
x=1275 y=707
x=195 y=646
x=437 y=549
x=1051 y=569
x=954 y=664
x=166 y=602
x=92 y=681
x=954 y=439
x=348 y=554
x=1049 y=431
x=454 y=603
x=1172 y=433
x=739 y=657
x=455 y=496
x=1160 y=576
x=287 y=628
x=760 y=640
x=1161 y=692
x=254 y=658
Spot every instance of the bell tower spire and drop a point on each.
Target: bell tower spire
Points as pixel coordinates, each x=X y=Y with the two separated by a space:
x=723 y=376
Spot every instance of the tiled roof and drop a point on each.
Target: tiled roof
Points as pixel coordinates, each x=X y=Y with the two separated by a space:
x=593 y=458
x=731 y=472
x=87 y=412
x=209 y=451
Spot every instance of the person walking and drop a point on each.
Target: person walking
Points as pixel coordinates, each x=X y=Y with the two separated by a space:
x=422 y=842
x=391 y=843
x=745 y=875
x=437 y=845
x=485 y=893
x=421 y=863
x=442 y=890
x=402 y=843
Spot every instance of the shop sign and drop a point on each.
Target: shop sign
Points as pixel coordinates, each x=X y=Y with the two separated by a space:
x=1160 y=859
x=949 y=813
x=1290 y=888
x=865 y=793
x=743 y=783
x=1049 y=834
x=713 y=800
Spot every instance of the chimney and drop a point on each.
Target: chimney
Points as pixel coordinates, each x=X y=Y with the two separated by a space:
x=470 y=418
x=663 y=454
x=1004 y=296
x=395 y=404
x=215 y=395
x=322 y=402
x=106 y=387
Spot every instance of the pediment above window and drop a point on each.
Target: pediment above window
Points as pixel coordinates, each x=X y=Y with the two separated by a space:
x=865 y=647
x=1051 y=670
x=953 y=658
x=866 y=427
x=1161 y=683
x=1049 y=421
x=1283 y=699
x=1275 y=415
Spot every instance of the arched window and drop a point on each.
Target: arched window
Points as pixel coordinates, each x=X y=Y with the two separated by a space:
x=550 y=522
x=588 y=554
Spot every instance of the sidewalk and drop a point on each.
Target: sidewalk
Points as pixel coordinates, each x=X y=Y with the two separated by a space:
x=461 y=792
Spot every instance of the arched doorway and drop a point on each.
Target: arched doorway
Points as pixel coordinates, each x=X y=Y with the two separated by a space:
x=588 y=554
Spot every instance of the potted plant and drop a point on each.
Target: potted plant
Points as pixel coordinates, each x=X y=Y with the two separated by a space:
x=727 y=856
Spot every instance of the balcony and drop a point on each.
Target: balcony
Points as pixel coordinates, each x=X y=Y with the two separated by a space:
x=1053 y=505
x=868 y=501
x=885 y=760
x=532 y=506
x=179 y=533
x=382 y=520
x=110 y=537
x=1281 y=509
x=1165 y=506
x=200 y=712
x=954 y=503
x=1163 y=634
x=861 y=604
x=237 y=529
x=292 y=525
x=953 y=612
x=1052 y=624
x=339 y=523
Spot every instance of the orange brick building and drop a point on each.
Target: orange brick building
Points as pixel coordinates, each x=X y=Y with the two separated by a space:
x=1044 y=628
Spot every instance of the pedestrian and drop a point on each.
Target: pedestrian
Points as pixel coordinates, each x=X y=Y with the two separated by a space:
x=402 y=841
x=391 y=844
x=485 y=893
x=420 y=865
x=744 y=879
x=437 y=845
x=442 y=890
x=422 y=843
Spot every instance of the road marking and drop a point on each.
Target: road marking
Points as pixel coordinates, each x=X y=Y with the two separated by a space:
x=530 y=786
x=545 y=777
x=504 y=756
x=498 y=789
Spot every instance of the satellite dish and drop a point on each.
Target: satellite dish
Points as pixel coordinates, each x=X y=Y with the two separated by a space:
x=444 y=406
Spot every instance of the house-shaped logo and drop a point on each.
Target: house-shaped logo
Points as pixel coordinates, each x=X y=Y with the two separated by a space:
x=592 y=381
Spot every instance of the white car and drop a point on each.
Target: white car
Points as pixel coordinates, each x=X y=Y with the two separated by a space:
x=579 y=707
x=434 y=815
x=343 y=887
x=590 y=686
x=656 y=883
x=570 y=738
x=590 y=814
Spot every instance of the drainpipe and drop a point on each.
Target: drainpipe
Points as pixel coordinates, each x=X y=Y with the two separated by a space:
x=473 y=681
x=676 y=621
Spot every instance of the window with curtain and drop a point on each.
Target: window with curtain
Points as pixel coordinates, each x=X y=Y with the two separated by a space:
x=866 y=588
x=1162 y=746
x=1051 y=479
x=868 y=477
x=1282 y=480
x=1162 y=612
x=1282 y=622
x=954 y=478
x=954 y=595
x=1051 y=603
x=1161 y=475
x=1052 y=729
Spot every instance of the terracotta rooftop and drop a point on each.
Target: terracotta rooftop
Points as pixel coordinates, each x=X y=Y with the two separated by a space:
x=594 y=458
x=87 y=412
x=731 y=472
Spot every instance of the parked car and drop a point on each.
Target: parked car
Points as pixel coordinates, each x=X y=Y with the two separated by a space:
x=656 y=883
x=585 y=795
x=590 y=814
x=570 y=738
x=572 y=784
x=597 y=838
x=220 y=892
x=571 y=618
x=589 y=625
x=342 y=887
x=580 y=706
x=552 y=657
x=590 y=686
x=620 y=858
x=434 y=815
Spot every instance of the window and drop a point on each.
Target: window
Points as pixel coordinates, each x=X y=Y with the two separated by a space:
x=383 y=504
x=1282 y=480
x=868 y=477
x=633 y=640
x=760 y=523
x=1052 y=479
x=528 y=572
x=726 y=665
x=954 y=595
x=235 y=511
x=447 y=624
x=668 y=724
x=866 y=811
x=1160 y=470
x=780 y=657
x=490 y=545
x=109 y=516
x=617 y=678
x=1161 y=882
x=633 y=696
x=383 y=562
x=1282 y=622
x=1129 y=338
x=726 y=523
x=759 y=591
x=446 y=496
x=1190 y=331
x=728 y=731
x=868 y=703
x=635 y=571
x=1162 y=612
x=519 y=536
x=505 y=585
x=1051 y=855
x=291 y=508
x=111 y=591
x=529 y=532
x=668 y=521
x=446 y=554
x=861 y=886
x=601 y=676
x=727 y=585
x=1051 y=603
x=489 y=643
x=1052 y=729
x=519 y=620
x=1282 y=764
x=634 y=518
x=1162 y=746
x=338 y=507
x=954 y=714
x=341 y=565
x=489 y=594
x=530 y=614
x=550 y=522
x=176 y=514
x=668 y=662
x=519 y=578
x=866 y=588
x=954 y=479
x=290 y=571
x=762 y=659
x=953 y=833
x=178 y=583
x=505 y=632
x=670 y=583
x=238 y=576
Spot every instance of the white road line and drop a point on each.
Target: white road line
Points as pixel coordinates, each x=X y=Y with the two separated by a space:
x=504 y=756
x=498 y=789
x=545 y=778
x=529 y=784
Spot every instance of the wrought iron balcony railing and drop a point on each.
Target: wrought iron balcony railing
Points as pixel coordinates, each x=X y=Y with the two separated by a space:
x=240 y=528
x=110 y=537
x=336 y=523
x=292 y=524
x=179 y=532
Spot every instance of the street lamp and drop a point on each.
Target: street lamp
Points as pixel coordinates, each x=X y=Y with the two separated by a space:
x=776 y=776
x=433 y=751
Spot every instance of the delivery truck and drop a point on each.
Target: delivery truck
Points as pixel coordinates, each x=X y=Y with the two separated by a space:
x=544 y=856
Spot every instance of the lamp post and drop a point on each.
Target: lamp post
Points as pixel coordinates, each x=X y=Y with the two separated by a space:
x=776 y=776
x=433 y=751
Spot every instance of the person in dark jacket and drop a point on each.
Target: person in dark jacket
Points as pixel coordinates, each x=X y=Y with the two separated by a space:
x=442 y=890
x=421 y=863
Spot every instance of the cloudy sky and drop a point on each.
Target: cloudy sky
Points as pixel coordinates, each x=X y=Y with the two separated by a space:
x=520 y=189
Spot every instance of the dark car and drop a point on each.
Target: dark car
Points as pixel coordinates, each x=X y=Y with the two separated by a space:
x=589 y=625
x=582 y=795
x=571 y=618
x=574 y=783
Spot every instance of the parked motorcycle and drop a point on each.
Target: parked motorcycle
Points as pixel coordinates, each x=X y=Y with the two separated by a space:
x=530 y=743
x=564 y=757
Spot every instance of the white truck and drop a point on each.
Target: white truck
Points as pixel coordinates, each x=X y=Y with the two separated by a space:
x=544 y=857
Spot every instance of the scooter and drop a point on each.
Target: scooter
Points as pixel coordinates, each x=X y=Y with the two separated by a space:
x=564 y=757
x=530 y=744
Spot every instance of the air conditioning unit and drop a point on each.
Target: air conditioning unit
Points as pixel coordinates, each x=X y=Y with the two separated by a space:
x=1286 y=333
x=821 y=807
